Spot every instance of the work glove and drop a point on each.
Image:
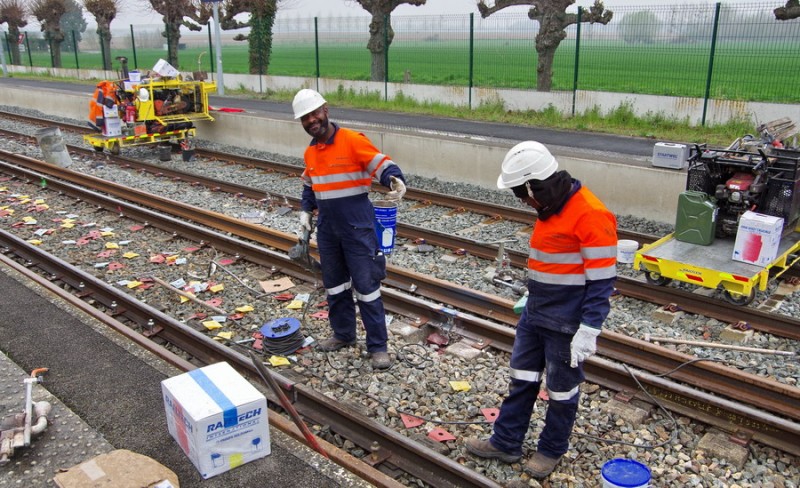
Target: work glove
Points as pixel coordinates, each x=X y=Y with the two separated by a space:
x=584 y=344
x=305 y=221
x=398 y=189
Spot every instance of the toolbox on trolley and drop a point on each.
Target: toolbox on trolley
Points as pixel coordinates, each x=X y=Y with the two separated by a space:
x=217 y=417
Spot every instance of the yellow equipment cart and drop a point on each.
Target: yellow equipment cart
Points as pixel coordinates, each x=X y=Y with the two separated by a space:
x=137 y=112
x=711 y=266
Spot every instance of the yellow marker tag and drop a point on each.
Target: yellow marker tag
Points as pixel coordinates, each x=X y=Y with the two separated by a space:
x=245 y=308
x=278 y=361
x=25 y=200
x=224 y=335
x=134 y=284
x=67 y=225
x=295 y=305
x=172 y=258
x=107 y=234
x=3 y=188
x=35 y=242
x=460 y=385
x=217 y=288
x=212 y=325
x=130 y=255
x=28 y=218
x=184 y=299
x=112 y=245
x=39 y=201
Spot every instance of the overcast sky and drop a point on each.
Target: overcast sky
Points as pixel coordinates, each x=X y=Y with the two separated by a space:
x=139 y=12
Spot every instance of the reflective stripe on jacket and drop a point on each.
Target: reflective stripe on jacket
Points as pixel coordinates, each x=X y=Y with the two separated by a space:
x=572 y=264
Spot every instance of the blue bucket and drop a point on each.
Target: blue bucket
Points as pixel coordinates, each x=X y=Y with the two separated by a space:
x=385 y=224
x=625 y=473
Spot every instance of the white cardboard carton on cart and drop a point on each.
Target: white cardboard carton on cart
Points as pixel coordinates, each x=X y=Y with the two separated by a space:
x=218 y=418
x=757 y=238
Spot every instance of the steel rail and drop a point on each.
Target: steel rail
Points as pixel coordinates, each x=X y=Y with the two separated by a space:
x=396 y=450
x=207 y=237
x=470 y=326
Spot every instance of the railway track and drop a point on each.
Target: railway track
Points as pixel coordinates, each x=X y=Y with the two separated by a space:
x=244 y=251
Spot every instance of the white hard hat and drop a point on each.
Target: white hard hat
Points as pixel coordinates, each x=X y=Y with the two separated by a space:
x=144 y=95
x=306 y=101
x=528 y=160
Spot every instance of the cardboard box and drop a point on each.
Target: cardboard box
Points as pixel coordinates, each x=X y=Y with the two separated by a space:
x=120 y=469
x=218 y=418
x=670 y=155
x=758 y=238
x=165 y=69
x=112 y=127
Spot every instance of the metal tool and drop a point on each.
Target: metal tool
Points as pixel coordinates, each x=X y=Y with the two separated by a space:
x=266 y=375
x=300 y=252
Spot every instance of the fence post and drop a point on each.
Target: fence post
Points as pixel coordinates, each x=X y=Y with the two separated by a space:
x=316 y=47
x=28 y=47
x=210 y=50
x=3 y=59
x=471 y=54
x=385 y=58
x=577 y=59
x=133 y=48
x=8 y=48
x=75 y=47
x=710 y=62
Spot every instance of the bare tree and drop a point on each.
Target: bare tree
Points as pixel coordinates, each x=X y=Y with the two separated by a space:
x=176 y=13
x=49 y=13
x=553 y=19
x=104 y=12
x=13 y=13
x=789 y=12
x=380 y=31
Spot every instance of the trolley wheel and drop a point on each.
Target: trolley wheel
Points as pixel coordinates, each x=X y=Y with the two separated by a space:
x=98 y=148
x=114 y=148
x=655 y=278
x=739 y=298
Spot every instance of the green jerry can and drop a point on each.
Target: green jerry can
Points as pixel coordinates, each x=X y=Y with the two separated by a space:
x=697 y=218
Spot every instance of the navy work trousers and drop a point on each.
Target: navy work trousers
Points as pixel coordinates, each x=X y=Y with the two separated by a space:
x=535 y=350
x=350 y=262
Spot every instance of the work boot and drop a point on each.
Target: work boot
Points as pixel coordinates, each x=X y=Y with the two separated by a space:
x=332 y=344
x=540 y=466
x=485 y=449
x=380 y=360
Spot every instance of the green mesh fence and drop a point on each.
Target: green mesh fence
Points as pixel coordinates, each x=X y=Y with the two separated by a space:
x=659 y=50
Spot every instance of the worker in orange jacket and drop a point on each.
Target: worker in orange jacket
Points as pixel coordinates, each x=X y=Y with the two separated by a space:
x=339 y=167
x=571 y=274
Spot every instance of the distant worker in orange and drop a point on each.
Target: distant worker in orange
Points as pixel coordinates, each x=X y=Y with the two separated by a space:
x=571 y=274
x=339 y=167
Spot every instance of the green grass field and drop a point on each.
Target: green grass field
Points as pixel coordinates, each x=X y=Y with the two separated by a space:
x=748 y=72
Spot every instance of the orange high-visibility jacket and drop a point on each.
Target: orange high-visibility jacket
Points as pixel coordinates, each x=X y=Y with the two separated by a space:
x=342 y=169
x=572 y=264
x=105 y=94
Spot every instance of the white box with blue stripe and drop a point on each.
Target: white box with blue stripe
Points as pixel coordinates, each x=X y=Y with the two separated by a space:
x=218 y=418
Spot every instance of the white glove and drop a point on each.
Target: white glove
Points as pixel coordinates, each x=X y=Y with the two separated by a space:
x=398 y=189
x=305 y=221
x=584 y=344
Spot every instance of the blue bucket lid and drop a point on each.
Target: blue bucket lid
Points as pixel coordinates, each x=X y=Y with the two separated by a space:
x=279 y=328
x=626 y=473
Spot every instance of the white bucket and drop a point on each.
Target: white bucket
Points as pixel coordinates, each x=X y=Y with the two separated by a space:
x=53 y=148
x=135 y=77
x=626 y=250
x=625 y=473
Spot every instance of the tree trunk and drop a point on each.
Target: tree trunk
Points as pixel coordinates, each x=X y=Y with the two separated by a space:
x=260 y=44
x=104 y=34
x=13 y=44
x=55 y=52
x=551 y=33
x=173 y=31
x=377 y=45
